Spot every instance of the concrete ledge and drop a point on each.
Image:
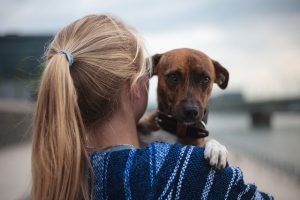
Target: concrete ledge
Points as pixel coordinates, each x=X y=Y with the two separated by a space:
x=16 y=106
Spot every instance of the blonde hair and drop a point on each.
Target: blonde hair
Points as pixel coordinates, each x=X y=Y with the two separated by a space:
x=73 y=98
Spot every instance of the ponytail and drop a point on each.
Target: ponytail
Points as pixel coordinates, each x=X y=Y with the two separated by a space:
x=59 y=158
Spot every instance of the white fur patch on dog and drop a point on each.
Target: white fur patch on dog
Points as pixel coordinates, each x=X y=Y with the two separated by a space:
x=159 y=135
x=216 y=153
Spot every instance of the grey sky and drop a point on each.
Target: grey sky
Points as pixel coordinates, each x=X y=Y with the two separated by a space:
x=257 y=41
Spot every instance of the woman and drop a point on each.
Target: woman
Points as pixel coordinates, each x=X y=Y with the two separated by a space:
x=92 y=93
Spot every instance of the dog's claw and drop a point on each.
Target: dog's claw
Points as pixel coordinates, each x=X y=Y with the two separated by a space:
x=216 y=153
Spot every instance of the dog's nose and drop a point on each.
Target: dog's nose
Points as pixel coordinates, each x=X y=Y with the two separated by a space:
x=190 y=112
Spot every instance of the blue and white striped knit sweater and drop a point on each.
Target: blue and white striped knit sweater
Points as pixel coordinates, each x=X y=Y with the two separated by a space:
x=165 y=171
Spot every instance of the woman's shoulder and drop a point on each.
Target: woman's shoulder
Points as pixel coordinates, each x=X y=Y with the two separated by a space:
x=175 y=170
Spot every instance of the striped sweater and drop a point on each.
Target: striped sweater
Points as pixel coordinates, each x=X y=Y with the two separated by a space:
x=165 y=171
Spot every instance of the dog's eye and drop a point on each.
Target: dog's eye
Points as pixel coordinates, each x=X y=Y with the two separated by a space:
x=204 y=80
x=173 y=78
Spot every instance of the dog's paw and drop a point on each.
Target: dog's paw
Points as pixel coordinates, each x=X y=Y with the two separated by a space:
x=216 y=153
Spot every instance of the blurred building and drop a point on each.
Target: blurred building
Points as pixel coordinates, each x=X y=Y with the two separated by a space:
x=21 y=58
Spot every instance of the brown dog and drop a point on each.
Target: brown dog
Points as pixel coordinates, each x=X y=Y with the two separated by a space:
x=185 y=82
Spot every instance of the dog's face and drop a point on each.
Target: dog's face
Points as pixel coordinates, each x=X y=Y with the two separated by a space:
x=185 y=82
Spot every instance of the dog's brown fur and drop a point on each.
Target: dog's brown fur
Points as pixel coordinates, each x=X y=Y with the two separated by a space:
x=185 y=80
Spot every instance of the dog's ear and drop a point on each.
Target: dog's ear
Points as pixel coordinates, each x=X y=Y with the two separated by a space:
x=222 y=75
x=155 y=60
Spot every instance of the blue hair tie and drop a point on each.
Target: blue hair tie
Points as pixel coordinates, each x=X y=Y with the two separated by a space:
x=69 y=56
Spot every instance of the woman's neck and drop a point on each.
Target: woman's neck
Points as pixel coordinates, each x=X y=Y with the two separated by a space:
x=120 y=129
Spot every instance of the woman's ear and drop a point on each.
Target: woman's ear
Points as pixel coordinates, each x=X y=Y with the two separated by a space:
x=136 y=91
x=139 y=97
x=222 y=75
x=139 y=87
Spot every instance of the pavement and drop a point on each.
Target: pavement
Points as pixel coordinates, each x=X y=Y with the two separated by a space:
x=15 y=166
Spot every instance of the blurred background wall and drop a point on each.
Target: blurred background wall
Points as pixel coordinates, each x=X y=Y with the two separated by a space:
x=257 y=117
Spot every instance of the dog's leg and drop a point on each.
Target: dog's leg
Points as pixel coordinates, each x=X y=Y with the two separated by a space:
x=216 y=153
x=148 y=124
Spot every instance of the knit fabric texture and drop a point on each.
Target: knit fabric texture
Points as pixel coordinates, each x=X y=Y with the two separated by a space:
x=166 y=171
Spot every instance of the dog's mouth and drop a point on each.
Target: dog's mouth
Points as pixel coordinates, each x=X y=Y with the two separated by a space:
x=180 y=119
x=189 y=123
x=192 y=121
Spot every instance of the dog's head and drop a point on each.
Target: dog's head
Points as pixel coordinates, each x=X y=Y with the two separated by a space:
x=185 y=82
